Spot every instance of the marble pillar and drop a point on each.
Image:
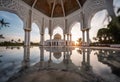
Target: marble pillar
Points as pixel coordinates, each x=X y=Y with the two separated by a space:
x=83 y=36
x=27 y=38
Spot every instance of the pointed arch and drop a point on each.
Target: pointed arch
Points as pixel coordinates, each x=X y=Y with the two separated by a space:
x=99 y=20
x=72 y=24
x=59 y=30
x=46 y=33
x=75 y=31
x=35 y=33
x=16 y=25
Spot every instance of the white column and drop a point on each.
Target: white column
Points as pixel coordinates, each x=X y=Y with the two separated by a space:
x=70 y=39
x=64 y=40
x=50 y=31
x=67 y=39
x=26 y=59
x=27 y=38
x=50 y=59
x=41 y=54
x=27 y=30
x=88 y=56
x=83 y=58
x=50 y=40
x=83 y=36
x=42 y=40
x=42 y=33
x=88 y=39
x=41 y=57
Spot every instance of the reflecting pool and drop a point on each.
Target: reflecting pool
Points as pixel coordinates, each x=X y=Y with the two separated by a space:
x=59 y=64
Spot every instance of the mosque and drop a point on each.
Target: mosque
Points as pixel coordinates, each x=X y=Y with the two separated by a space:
x=58 y=41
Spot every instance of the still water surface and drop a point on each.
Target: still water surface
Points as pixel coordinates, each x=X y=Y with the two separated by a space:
x=104 y=63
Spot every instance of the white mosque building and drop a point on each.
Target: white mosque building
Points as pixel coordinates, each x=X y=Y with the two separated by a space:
x=58 y=41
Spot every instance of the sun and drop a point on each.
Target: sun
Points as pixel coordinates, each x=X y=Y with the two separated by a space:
x=76 y=43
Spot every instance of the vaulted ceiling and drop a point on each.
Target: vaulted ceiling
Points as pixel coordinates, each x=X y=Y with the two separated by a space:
x=56 y=8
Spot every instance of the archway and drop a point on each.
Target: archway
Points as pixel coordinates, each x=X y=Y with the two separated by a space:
x=59 y=31
x=14 y=32
x=47 y=34
x=75 y=31
x=35 y=34
x=99 y=20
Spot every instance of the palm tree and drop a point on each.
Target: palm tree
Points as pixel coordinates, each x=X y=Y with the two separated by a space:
x=1 y=36
x=114 y=28
x=12 y=40
x=103 y=35
x=95 y=38
x=79 y=41
x=3 y=23
x=19 y=40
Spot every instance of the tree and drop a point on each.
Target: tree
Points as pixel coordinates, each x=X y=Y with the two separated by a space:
x=12 y=40
x=95 y=38
x=118 y=10
x=114 y=27
x=1 y=36
x=102 y=35
x=19 y=40
x=79 y=41
x=3 y=23
x=111 y=34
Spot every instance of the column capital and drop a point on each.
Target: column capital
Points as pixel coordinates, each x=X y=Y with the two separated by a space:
x=87 y=29
x=83 y=30
x=50 y=34
x=42 y=34
x=27 y=30
x=68 y=34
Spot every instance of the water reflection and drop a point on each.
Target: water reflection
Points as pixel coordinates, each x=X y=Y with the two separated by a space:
x=65 y=65
x=86 y=60
x=91 y=63
x=13 y=47
x=111 y=58
x=26 y=58
x=60 y=54
x=55 y=53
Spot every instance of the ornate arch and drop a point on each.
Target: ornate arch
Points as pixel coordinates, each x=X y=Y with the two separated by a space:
x=56 y=28
x=17 y=7
x=39 y=26
x=89 y=10
x=38 y=23
x=72 y=20
x=72 y=24
x=58 y=22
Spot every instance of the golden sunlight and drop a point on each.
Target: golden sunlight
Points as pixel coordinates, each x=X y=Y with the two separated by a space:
x=76 y=32
x=76 y=43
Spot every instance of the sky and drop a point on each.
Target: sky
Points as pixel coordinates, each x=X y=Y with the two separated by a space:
x=15 y=31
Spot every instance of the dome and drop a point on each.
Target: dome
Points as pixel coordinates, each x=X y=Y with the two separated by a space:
x=56 y=8
x=57 y=55
x=57 y=36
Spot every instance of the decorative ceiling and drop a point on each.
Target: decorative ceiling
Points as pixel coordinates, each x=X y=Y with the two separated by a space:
x=56 y=8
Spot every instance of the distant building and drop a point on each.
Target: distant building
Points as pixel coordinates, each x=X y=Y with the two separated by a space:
x=57 y=41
